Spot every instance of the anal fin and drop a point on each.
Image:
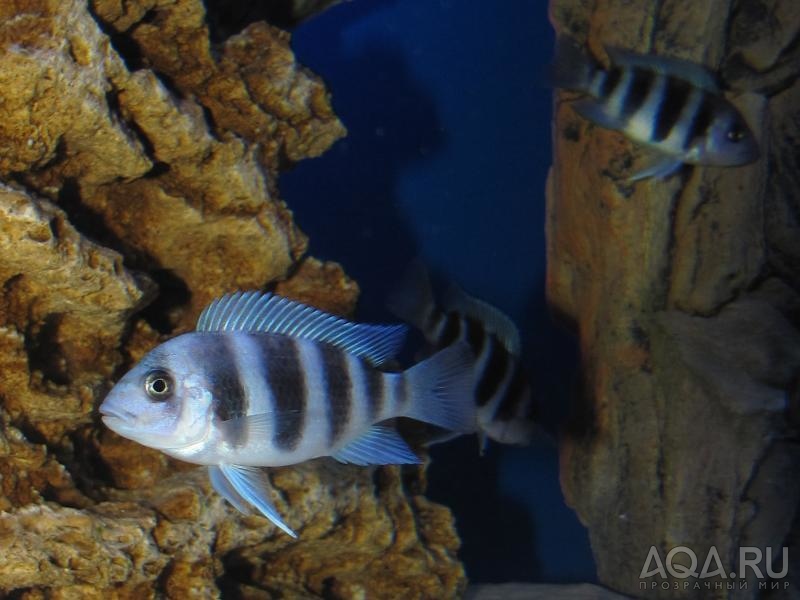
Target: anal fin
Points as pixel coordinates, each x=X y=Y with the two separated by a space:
x=377 y=446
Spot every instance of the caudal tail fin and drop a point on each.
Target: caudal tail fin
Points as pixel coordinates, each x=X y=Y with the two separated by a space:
x=442 y=389
x=572 y=67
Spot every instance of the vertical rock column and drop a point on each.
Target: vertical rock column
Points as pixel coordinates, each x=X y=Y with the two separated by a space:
x=684 y=295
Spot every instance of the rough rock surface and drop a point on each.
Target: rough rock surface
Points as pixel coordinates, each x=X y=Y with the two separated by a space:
x=685 y=297
x=138 y=180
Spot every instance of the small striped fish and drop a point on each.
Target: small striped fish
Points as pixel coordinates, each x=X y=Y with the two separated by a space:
x=265 y=381
x=500 y=389
x=671 y=105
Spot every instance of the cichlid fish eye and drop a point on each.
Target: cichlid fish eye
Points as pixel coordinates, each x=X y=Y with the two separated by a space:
x=158 y=384
x=674 y=106
x=266 y=381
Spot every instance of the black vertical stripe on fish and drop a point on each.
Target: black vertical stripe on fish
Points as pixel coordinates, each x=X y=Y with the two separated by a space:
x=475 y=335
x=374 y=385
x=224 y=381
x=612 y=79
x=402 y=391
x=492 y=376
x=514 y=393
x=641 y=82
x=339 y=390
x=701 y=120
x=433 y=320
x=676 y=94
x=451 y=329
x=287 y=382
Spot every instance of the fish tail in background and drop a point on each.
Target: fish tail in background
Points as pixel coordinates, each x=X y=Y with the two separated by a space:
x=572 y=68
x=413 y=300
x=441 y=390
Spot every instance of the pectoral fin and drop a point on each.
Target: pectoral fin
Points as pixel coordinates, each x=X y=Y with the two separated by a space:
x=244 y=487
x=226 y=490
x=661 y=168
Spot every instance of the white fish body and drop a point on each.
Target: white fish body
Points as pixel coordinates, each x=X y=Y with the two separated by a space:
x=265 y=381
x=671 y=105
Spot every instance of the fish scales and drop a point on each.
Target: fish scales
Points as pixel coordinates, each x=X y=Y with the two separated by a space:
x=321 y=374
x=676 y=94
x=615 y=101
x=360 y=408
x=252 y=369
x=701 y=120
x=287 y=382
x=234 y=364
x=311 y=386
x=642 y=119
x=219 y=365
x=639 y=86
x=375 y=392
x=339 y=387
x=680 y=138
x=492 y=360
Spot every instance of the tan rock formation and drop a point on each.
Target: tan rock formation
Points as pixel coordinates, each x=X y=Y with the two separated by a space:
x=138 y=170
x=684 y=294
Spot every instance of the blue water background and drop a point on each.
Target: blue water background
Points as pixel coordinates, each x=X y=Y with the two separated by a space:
x=446 y=159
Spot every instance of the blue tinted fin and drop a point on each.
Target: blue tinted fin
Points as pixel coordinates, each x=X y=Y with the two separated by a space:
x=442 y=389
x=437 y=435
x=591 y=109
x=494 y=321
x=260 y=425
x=258 y=312
x=696 y=74
x=660 y=169
x=225 y=489
x=250 y=485
x=377 y=446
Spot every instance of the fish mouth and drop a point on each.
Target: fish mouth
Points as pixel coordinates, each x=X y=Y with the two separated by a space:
x=111 y=415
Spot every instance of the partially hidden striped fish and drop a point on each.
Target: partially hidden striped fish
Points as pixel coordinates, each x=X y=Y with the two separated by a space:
x=501 y=389
x=266 y=381
x=671 y=105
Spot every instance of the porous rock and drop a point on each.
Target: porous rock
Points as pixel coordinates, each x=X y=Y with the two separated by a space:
x=684 y=295
x=138 y=179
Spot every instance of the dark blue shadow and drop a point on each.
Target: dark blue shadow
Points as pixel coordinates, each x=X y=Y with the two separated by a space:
x=446 y=158
x=346 y=200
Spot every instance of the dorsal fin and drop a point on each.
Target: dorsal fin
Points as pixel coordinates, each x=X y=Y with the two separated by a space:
x=679 y=68
x=259 y=312
x=492 y=319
